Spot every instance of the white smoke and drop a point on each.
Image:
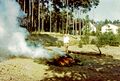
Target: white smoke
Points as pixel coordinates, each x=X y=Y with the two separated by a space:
x=12 y=36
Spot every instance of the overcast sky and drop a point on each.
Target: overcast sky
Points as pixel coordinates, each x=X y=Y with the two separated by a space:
x=107 y=9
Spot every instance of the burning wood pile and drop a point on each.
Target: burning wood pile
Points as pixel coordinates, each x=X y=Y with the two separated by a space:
x=58 y=58
x=65 y=60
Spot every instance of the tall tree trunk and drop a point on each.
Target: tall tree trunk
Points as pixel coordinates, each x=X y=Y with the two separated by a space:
x=42 y=24
x=80 y=24
x=67 y=19
x=32 y=13
x=79 y=27
x=50 y=21
x=58 y=24
x=24 y=5
x=62 y=26
x=55 y=26
x=51 y=18
x=29 y=28
x=75 y=26
x=42 y=18
x=39 y=16
x=73 y=31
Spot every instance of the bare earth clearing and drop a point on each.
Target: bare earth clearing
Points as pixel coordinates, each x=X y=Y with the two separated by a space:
x=91 y=68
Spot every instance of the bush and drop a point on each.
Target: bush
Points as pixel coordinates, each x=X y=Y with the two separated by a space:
x=80 y=44
x=59 y=43
x=107 y=38
x=93 y=33
x=85 y=39
x=93 y=41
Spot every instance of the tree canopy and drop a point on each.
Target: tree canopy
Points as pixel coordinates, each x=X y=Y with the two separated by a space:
x=38 y=12
x=76 y=3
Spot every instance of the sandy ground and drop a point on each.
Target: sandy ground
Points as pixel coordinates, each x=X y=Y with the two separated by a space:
x=22 y=70
x=108 y=50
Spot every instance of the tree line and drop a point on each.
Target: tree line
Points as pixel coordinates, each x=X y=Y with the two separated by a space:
x=54 y=15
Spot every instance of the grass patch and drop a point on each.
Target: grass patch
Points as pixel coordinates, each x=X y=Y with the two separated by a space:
x=44 y=39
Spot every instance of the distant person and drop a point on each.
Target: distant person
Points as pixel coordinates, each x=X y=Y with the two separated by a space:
x=66 y=41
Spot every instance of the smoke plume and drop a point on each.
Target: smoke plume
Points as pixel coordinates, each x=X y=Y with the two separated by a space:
x=12 y=36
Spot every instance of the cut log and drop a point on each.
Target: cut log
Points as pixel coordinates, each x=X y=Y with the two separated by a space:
x=85 y=53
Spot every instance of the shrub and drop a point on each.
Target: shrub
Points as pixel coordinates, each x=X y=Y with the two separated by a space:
x=93 y=41
x=93 y=33
x=59 y=43
x=85 y=39
x=80 y=44
x=107 y=38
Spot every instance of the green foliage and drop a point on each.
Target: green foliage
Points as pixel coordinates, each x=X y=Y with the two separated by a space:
x=86 y=30
x=85 y=39
x=107 y=38
x=55 y=20
x=44 y=39
x=93 y=41
x=86 y=33
x=106 y=21
x=93 y=33
x=59 y=43
x=119 y=31
x=118 y=35
x=116 y=21
x=86 y=4
x=80 y=44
